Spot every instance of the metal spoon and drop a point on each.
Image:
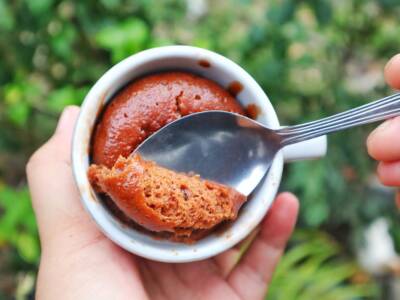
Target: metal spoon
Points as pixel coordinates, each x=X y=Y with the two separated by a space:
x=234 y=150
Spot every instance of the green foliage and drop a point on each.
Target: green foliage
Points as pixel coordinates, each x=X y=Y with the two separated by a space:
x=314 y=268
x=123 y=39
x=58 y=99
x=39 y=7
x=18 y=224
x=6 y=17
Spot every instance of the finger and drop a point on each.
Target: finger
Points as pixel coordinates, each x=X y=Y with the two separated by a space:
x=255 y=270
x=198 y=275
x=54 y=195
x=389 y=173
x=392 y=72
x=169 y=283
x=151 y=282
x=227 y=260
x=384 y=142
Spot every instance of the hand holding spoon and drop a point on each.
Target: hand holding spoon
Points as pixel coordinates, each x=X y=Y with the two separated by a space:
x=237 y=151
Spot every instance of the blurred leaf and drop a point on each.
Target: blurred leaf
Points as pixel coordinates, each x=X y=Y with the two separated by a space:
x=123 y=39
x=18 y=113
x=17 y=97
x=27 y=246
x=203 y=43
x=313 y=268
x=322 y=10
x=38 y=7
x=7 y=21
x=111 y=4
x=17 y=225
x=317 y=213
x=59 y=99
x=159 y=43
x=389 y=3
x=63 y=42
x=281 y=11
x=315 y=208
x=13 y=94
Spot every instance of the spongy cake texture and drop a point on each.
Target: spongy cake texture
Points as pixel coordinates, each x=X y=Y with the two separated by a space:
x=163 y=200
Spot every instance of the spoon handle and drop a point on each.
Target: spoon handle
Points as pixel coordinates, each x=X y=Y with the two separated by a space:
x=382 y=109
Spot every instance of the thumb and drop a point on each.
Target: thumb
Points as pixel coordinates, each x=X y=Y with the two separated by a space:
x=55 y=197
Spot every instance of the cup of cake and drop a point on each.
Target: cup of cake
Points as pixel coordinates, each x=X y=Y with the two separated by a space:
x=145 y=208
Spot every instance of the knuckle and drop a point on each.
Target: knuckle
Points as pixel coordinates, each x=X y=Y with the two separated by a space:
x=371 y=143
x=387 y=174
x=33 y=161
x=38 y=158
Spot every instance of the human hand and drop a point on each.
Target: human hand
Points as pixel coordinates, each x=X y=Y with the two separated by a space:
x=79 y=262
x=384 y=142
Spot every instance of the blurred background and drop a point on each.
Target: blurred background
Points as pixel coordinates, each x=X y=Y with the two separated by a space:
x=312 y=58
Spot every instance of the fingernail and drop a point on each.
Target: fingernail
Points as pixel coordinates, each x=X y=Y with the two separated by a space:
x=64 y=120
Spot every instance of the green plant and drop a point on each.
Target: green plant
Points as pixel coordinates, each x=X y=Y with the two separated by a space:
x=314 y=268
x=124 y=38
x=17 y=223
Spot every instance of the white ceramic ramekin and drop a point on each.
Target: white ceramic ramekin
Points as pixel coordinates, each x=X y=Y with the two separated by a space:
x=224 y=72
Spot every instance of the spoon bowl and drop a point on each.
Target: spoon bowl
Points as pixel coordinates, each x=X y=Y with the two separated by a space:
x=237 y=151
x=215 y=145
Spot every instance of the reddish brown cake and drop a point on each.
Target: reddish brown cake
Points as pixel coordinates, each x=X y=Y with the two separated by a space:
x=178 y=206
x=149 y=103
x=162 y=200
